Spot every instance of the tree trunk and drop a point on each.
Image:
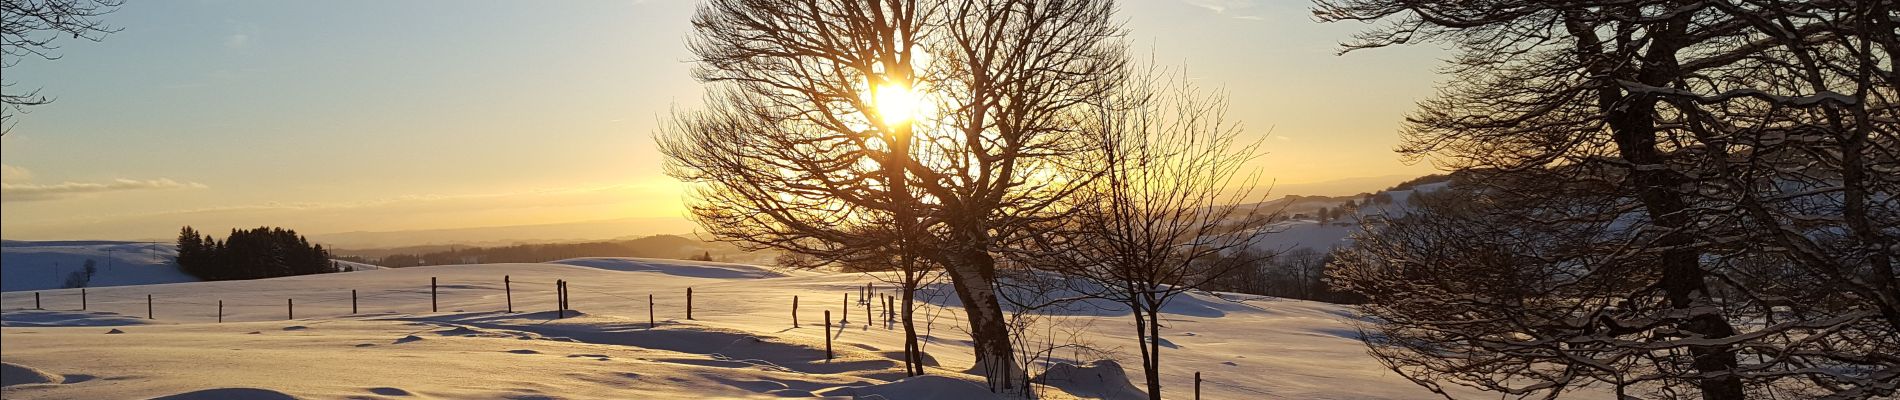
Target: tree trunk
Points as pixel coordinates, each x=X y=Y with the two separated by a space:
x=1149 y=352
x=974 y=277
x=913 y=354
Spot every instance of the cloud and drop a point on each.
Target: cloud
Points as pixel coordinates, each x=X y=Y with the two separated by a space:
x=9 y=173
x=1234 y=8
x=238 y=40
x=12 y=192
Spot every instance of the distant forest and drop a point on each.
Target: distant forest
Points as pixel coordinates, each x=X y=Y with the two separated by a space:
x=265 y=252
x=660 y=246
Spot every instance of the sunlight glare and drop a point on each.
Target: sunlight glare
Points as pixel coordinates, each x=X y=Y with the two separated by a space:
x=896 y=104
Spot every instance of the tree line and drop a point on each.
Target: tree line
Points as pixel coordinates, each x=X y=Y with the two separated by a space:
x=657 y=246
x=263 y=252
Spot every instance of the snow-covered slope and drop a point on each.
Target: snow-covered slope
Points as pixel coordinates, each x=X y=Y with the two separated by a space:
x=1308 y=232
x=740 y=344
x=41 y=265
x=48 y=265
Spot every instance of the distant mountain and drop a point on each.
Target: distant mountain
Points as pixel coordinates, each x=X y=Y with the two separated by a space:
x=508 y=235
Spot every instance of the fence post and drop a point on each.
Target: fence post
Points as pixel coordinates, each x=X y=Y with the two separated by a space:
x=867 y=314
x=432 y=303
x=846 y=310
x=794 y=311
x=1197 y=385
x=82 y=299
x=689 y=302
x=36 y=301
x=560 y=298
x=508 y=288
x=828 y=331
x=650 y=323
x=352 y=301
x=290 y=308
x=220 y=311
x=148 y=307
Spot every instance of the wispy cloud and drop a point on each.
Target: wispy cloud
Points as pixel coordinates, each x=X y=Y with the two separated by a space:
x=12 y=192
x=1240 y=9
x=9 y=173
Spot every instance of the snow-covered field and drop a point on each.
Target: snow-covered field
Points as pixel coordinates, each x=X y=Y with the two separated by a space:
x=740 y=344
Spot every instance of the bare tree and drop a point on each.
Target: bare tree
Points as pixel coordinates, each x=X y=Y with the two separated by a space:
x=839 y=128
x=1714 y=148
x=28 y=29
x=1163 y=220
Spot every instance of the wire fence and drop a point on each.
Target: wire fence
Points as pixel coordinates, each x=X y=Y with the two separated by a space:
x=863 y=307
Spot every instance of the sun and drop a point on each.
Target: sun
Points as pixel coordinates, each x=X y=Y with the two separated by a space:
x=896 y=103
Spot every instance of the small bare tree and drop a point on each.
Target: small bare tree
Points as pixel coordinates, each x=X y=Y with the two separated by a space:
x=1168 y=215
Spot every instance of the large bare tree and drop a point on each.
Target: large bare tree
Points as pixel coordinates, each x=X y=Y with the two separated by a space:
x=1722 y=150
x=945 y=127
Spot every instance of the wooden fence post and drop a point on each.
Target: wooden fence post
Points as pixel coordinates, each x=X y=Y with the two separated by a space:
x=828 y=331
x=220 y=311
x=846 y=318
x=689 y=302
x=148 y=307
x=352 y=301
x=650 y=323
x=794 y=311
x=508 y=288
x=867 y=314
x=82 y=299
x=36 y=301
x=290 y=308
x=560 y=298
x=1197 y=385
x=433 y=305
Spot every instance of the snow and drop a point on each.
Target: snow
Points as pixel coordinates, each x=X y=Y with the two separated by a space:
x=41 y=265
x=740 y=344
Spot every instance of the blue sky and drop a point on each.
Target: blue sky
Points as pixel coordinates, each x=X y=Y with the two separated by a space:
x=353 y=115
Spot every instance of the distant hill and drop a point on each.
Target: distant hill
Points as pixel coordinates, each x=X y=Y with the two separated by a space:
x=657 y=246
x=567 y=232
x=39 y=265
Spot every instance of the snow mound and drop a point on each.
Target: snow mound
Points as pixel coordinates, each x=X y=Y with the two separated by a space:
x=686 y=268
x=923 y=387
x=229 y=394
x=16 y=374
x=36 y=318
x=1103 y=379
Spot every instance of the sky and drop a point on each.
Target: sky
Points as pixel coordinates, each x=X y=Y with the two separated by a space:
x=361 y=115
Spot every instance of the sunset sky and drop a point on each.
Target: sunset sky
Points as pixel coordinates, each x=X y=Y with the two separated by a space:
x=355 y=115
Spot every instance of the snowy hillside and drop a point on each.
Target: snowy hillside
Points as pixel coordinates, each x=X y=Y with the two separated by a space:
x=741 y=342
x=1304 y=230
x=40 y=265
x=48 y=265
